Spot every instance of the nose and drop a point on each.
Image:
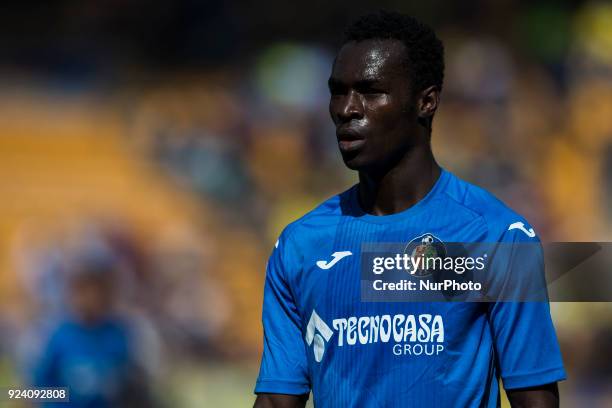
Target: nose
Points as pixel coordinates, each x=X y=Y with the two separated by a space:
x=349 y=107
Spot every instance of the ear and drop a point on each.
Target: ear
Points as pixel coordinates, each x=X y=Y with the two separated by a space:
x=428 y=101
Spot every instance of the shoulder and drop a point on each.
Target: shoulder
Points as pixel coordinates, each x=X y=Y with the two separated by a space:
x=310 y=232
x=118 y=325
x=501 y=220
x=64 y=328
x=60 y=336
x=314 y=222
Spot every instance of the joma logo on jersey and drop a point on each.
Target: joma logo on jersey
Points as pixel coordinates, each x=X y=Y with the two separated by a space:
x=336 y=256
x=521 y=227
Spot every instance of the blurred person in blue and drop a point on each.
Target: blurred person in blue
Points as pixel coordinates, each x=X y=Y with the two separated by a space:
x=319 y=334
x=92 y=351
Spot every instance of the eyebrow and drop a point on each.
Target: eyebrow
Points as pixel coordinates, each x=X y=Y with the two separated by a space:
x=361 y=83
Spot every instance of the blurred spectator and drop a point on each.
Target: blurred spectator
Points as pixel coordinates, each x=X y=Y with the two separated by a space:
x=92 y=350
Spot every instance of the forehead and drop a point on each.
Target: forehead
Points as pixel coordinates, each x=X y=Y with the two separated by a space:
x=370 y=59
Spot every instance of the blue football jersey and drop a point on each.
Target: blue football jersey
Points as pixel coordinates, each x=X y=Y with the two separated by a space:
x=319 y=335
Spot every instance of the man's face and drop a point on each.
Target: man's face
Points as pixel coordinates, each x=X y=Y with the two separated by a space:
x=371 y=104
x=91 y=297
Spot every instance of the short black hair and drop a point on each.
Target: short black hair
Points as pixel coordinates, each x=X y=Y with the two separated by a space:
x=425 y=52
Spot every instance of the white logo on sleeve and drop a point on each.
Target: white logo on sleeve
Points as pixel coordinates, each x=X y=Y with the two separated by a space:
x=316 y=324
x=520 y=226
x=336 y=256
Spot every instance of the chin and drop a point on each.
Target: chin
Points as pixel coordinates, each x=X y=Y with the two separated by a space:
x=356 y=162
x=367 y=165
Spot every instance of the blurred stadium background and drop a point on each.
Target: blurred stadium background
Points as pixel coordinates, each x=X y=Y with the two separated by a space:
x=171 y=141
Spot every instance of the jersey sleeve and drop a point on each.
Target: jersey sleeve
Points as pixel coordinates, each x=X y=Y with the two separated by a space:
x=526 y=346
x=283 y=364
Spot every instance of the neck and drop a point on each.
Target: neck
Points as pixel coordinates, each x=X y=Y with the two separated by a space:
x=401 y=186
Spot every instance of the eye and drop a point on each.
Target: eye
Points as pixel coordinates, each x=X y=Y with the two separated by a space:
x=337 y=90
x=370 y=90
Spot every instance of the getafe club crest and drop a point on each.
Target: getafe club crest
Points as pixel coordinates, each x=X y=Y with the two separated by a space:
x=428 y=247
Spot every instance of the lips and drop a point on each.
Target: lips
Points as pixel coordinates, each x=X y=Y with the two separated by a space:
x=349 y=139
